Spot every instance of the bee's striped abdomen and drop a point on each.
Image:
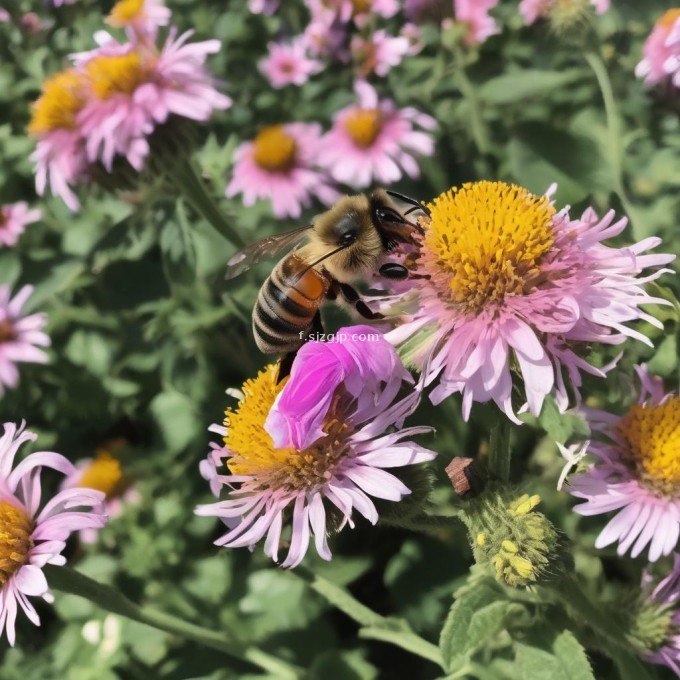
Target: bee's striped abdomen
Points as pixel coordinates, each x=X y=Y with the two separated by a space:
x=288 y=301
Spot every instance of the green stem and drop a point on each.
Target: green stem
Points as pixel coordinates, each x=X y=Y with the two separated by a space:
x=373 y=626
x=193 y=188
x=469 y=92
x=67 y=580
x=615 y=130
x=499 y=448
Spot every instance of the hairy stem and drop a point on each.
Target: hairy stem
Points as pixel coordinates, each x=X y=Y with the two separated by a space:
x=499 y=448
x=192 y=187
x=67 y=580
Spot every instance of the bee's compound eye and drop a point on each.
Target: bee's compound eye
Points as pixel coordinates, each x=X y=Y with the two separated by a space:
x=348 y=238
x=388 y=215
x=392 y=270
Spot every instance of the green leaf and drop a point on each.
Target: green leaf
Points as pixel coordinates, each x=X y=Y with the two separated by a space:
x=560 y=656
x=176 y=418
x=476 y=617
x=513 y=87
x=540 y=155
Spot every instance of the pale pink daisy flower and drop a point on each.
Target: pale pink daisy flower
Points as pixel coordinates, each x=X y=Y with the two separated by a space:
x=32 y=24
x=60 y=157
x=636 y=474
x=532 y=10
x=475 y=15
x=5 y=16
x=661 y=53
x=375 y=141
x=327 y=37
x=139 y=17
x=20 y=336
x=288 y=64
x=323 y=484
x=135 y=92
x=358 y=11
x=659 y=604
x=103 y=473
x=280 y=165
x=30 y=537
x=379 y=52
x=13 y=220
x=507 y=284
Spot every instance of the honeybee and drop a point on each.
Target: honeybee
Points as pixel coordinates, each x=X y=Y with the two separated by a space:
x=342 y=244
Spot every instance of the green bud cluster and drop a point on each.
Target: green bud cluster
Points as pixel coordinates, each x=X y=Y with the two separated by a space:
x=568 y=18
x=651 y=625
x=507 y=533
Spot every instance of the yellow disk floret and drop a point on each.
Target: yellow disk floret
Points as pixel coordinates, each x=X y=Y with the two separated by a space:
x=125 y=12
x=103 y=474
x=488 y=239
x=57 y=108
x=254 y=453
x=16 y=528
x=364 y=126
x=116 y=74
x=274 y=149
x=653 y=434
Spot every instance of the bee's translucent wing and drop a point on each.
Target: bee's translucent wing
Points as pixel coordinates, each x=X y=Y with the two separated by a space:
x=260 y=250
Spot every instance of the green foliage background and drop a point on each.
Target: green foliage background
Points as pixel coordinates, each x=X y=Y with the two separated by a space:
x=147 y=336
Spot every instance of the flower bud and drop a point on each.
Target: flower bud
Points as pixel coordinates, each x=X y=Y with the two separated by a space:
x=509 y=534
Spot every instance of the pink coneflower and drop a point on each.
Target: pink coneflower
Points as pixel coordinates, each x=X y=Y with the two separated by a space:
x=103 y=473
x=20 y=336
x=60 y=157
x=375 y=141
x=661 y=54
x=139 y=17
x=656 y=631
x=111 y=103
x=379 y=53
x=637 y=473
x=280 y=165
x=298 y=415
x=532 y=10
x=358 y=11
x=319 y=486
x=288 y=64
x=134 y=92
x=475 y=15
x=13 y=220
x=30 y=539
x=509 y=282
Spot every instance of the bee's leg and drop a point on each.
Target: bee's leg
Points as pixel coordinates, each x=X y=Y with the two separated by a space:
x=285 y=365
x=354 y=299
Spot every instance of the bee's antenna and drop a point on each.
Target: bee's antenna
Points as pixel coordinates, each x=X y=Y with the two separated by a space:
x=411 y=201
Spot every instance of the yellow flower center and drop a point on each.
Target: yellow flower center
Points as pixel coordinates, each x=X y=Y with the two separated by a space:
x=669 y=18
x=16 y=528
x=364 y=126
x=274 y=149
x=118 y=74
x=62 y=99
x=653 y=434
x=125 y=12
x=486 y=241
x=6 y=331
x=103 y=474
x=253 y=448
x=360 y=6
